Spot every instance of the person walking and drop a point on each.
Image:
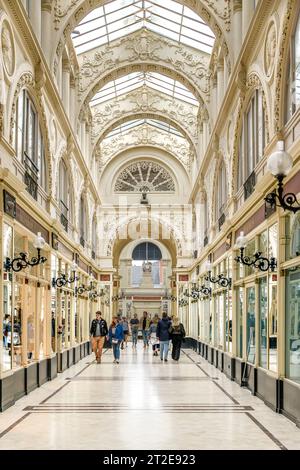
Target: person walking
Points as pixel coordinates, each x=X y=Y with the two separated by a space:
x=162 y=333
x=145 y=329
x=134 y=325
x=98 y=333
x=152 y=335
x=177 y=333
x=125 y=326
x=116 y=336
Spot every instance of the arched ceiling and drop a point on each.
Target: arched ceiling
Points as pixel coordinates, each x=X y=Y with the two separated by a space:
x=146 y=100
x=149 y=132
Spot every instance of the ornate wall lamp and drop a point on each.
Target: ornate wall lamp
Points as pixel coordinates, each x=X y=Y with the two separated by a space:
x=81 y=289
x=21 y=261
x=205 y=290
x=183 y=303
x=62 y=280
x=280 y=164
x=257 y=260
x=168 y=296
x=121 y=296
x=221 y=279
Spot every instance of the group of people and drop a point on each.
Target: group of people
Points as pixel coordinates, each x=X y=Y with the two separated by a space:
x=157 y=332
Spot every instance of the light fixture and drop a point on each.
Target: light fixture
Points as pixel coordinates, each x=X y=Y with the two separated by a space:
x=257 y=260
x=21 y=262
x=168 y=296
x=280 y=164
x=221 y=279
x=62 y=280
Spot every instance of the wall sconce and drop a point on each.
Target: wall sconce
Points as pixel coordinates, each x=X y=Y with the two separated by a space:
x=221 y=279
x=21 y=262
x=280 y=164
x=183 y=303
x=205 y=290
x=62 y=280
x=168 y=296
x=118 y=297
x=257 y=260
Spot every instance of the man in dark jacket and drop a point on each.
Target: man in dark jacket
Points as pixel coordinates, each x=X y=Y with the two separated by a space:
x=98 y=333
x=162 y=333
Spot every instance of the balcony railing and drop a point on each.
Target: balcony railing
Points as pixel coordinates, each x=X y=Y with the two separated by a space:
x=31 y=176
x=249 y=185
x=64 y=215
x=205 y=241
x=221 y=220
x=93 y=254
x=82 y=241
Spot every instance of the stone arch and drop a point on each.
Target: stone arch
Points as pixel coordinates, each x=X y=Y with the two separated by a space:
x=146 y=115
x=119 y=72
x=113 y=235
x=252 y=83
x=28 y=82
x=66 y=19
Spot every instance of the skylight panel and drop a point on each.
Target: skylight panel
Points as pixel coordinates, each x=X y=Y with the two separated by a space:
x=123 y=128
x=119 y=18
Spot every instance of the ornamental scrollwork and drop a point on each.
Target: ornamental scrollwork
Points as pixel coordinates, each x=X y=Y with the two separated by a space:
x=144 y=177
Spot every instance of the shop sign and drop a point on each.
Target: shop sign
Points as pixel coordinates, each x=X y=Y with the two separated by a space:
x=183 y=277
x=105 y=277
x=9 y=203
x=30 y=223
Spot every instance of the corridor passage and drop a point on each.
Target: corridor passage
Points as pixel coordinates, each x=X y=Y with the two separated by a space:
x=143 y=403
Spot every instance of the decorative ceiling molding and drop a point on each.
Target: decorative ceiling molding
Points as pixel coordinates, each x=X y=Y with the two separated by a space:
x=144 y=177
x=145 y=135
x=144 y=100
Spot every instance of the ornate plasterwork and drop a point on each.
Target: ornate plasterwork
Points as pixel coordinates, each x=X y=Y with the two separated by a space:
x=270 y=49
x=147 y=136
x=61 y=10
x=144 y=177
x=144 y=100
x=218 y=18
x=139 y=48
x=279 y=74
x=8 y=48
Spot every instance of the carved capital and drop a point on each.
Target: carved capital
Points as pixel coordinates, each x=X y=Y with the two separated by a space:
x=47 y=5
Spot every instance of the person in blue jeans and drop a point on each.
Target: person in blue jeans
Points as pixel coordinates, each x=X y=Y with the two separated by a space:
x=162 y=333
x=116 y=336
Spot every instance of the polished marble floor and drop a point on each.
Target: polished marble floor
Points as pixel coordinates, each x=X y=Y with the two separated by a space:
x=143 y=403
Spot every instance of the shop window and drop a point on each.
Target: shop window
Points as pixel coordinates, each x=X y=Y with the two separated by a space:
x=263 y=318
x=251 y=143
x=239 y=313
x=293 y=324
x=29 y=144
x=293 y=76
x=293 y=236
x=228 y=320
x=251 y=324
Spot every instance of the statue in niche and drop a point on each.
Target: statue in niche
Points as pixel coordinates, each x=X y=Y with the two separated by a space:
x=147 y=267
x=8 y=49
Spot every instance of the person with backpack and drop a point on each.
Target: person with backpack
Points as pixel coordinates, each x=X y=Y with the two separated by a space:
x=162 y=333
x=98 y=333
x=177 y=333
x=116 y=336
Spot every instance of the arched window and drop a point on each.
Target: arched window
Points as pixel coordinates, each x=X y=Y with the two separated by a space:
x=221 y=195
x=82 y=222
x=29 y=144
x=205 y=221
x=147 y=256
x=94 y=237
x=252 y=143
x=65 y=195
x=293 y=77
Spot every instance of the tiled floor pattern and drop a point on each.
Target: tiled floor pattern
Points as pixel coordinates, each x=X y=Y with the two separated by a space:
x=143 y=403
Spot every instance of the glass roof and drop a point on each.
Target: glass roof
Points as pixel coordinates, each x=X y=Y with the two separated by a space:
x=121 y=17
x=135 y=80
x=123 y=128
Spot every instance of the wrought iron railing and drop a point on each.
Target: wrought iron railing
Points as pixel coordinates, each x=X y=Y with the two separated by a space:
x=31 y=176
x=64 y=215
x=221 y=220
x=249 y=185
x=93 y=254
x=82 y=241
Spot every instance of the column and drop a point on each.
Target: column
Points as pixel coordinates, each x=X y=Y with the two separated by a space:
x=214 y=102
x=35 y=15
x=66 y=85
x=220 y=82
x=72 y=103
x=247 y=13
x=87 y=144
x=236 y=38
x=46 y=29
